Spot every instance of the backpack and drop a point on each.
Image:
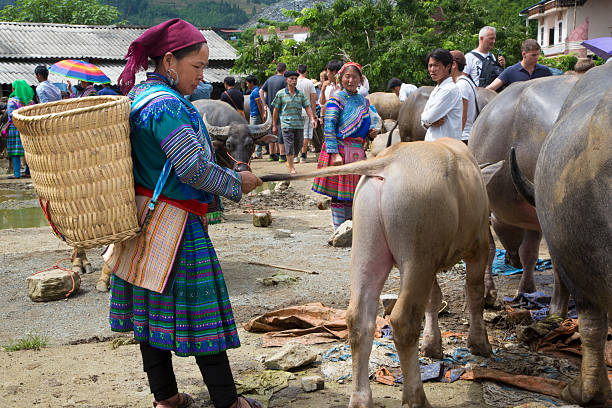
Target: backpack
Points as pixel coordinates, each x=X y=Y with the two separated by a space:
x=490 y=70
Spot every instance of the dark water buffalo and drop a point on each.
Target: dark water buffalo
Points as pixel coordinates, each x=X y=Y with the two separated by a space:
x=573 y=182
x=387 y=104
x=409 y=117
x=233 y=138
x=521 y=116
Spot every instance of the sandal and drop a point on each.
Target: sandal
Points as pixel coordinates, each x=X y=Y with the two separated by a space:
x=182 y=401
x=252 y=403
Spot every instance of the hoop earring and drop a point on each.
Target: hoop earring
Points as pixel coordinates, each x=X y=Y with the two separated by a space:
x=173 y=82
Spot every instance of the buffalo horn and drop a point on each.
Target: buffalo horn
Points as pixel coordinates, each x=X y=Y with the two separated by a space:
x=217 y=132
x=259 y=131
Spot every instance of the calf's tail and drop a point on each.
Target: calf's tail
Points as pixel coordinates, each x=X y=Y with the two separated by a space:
x=370 y=167
x=522 y=184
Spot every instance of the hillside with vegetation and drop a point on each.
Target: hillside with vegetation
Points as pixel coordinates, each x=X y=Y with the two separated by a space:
x=202 y=13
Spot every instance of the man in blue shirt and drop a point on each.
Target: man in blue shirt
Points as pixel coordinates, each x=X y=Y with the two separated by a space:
x=203 y=91
x=528 y=68
x=256 y=108
x=46 y=91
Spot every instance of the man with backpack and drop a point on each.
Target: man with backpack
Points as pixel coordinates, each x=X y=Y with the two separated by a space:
x=480 y=63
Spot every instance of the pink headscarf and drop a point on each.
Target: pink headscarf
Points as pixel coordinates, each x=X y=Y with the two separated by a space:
x=169 y=36
x=349 y=64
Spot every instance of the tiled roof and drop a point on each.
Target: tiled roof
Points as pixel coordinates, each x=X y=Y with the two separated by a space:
x=61 y=41
x=13 y=69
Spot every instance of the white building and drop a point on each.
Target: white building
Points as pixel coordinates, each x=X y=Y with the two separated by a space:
x=564 y=24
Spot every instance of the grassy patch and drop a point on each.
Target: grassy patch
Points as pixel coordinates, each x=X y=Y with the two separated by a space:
x=30 y=342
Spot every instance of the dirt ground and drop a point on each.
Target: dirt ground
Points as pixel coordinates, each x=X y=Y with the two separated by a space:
x=80 y=368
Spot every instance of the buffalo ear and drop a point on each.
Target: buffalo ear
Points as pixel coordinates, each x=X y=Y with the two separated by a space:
x=489 y=171
x=267 y=139
x=218 y=144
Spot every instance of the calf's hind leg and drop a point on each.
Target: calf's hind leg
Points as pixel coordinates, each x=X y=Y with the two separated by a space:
x=432 y=339
x=478 y=341
x=406 y=319
x=371 y=262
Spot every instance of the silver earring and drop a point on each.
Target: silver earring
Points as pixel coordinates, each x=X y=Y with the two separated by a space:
x=173 y=82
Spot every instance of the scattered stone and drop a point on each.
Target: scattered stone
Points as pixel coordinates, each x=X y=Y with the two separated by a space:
x=291 y=355
x=343 y=236
x=266 y=192
x=282 y=186
x=277 y=279
x=324 y=204
x=313 y=383
x=52 y=285
x=262 y=219
x=282 y=233
x=388 y=300
x=491 y=317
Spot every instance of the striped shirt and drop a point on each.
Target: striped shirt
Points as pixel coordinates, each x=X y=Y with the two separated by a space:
x=290 y=108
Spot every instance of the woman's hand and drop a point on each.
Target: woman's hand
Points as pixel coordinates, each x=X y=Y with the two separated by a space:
x=249 y=181
x=336 y=159
x=373 y=133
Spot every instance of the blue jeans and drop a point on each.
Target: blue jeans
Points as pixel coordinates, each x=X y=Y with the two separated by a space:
x=16 y=166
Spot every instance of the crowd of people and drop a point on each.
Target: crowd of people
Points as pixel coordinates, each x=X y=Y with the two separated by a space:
x=172 y=152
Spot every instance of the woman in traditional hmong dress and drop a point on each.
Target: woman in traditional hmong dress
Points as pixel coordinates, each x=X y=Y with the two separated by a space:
x=180 y=304
x=348 y=122
x=22 y=96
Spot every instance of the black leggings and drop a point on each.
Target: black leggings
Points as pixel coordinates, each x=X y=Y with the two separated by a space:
x=215 y=371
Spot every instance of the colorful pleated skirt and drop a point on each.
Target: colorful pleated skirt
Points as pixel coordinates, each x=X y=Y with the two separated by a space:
x=193 y=316
x=340 y=187
x=13 y=142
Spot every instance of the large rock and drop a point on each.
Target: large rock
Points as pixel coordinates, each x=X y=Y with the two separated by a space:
x=291 y=355
x=262 y=219
x=52 y=285
x=343 y=236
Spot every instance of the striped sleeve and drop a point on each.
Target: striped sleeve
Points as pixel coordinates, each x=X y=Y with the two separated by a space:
x=333 y=108
x=192 y=160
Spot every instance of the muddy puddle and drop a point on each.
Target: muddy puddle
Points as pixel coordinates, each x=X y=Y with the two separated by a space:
x=19 y=209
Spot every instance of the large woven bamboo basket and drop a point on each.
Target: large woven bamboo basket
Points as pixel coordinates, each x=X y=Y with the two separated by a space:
x=79 y=155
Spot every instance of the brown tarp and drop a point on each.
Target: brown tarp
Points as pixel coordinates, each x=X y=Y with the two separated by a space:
x=312 y=323
x=566 y=339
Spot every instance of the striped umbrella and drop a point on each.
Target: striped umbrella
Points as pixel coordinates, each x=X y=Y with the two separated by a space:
x=81 y=70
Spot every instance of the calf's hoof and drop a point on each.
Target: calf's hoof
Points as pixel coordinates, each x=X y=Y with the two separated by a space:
x=480 y=347
x=591 y=392
x=526 y=287
x=102 y=286
x=490 y=297
x=361 y=400
x=88 y=268
x=432 y=348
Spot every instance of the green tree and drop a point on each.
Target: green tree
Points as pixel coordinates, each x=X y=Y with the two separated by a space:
x=389 y=39
x=60 y=11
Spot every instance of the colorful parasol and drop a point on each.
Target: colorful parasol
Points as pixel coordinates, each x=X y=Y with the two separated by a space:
x=81 y=70
x=601 y=46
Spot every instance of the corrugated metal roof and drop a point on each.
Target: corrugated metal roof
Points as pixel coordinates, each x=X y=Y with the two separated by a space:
x=61 y=41
x=12 y=70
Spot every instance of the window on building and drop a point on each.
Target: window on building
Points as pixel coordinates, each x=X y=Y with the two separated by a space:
x=560 y=36
x=551 y=36
x=542 y=36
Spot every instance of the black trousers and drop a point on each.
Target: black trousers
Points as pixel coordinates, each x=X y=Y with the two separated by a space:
x=215 y=371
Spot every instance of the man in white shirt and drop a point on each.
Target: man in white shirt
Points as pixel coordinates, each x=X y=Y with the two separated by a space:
x=402 y=90
x=467 y=88
x=307 y=87
x=443 y=110
x=474 y=59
